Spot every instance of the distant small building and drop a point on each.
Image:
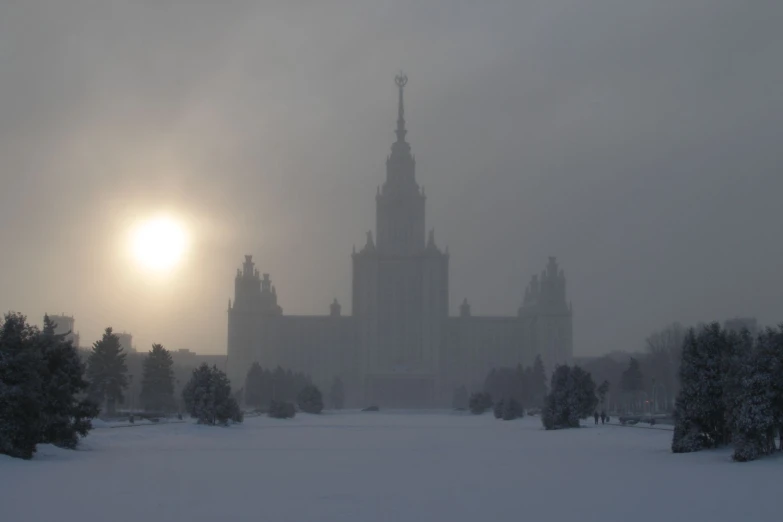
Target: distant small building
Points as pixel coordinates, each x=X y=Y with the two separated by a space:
x=64 y=325
x=126 y=342
x=189 y=359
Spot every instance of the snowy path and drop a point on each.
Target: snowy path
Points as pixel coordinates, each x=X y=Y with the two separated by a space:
x=368 y=467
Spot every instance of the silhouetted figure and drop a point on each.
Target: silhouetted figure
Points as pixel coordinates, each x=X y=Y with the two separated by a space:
x=603 y=417
x=595 y=416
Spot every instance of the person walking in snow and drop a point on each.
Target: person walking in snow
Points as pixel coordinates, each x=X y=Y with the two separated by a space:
x=603 y=417
x=595 y=415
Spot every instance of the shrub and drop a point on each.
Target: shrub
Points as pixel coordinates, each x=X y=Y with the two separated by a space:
x=281 y=410
x=479 y=403
x=310 y=399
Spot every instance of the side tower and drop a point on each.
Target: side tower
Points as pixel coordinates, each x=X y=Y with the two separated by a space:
x=549 y=317
x=400 y=287
x=254 y=299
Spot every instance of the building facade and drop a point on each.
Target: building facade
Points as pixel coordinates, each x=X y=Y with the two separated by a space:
x=65 y=325
x=399 y=347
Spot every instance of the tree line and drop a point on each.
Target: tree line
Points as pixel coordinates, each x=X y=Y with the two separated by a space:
x=277 y=392
x=49 y=395
x=572 y=394
x=526 y=387
x=731 y=392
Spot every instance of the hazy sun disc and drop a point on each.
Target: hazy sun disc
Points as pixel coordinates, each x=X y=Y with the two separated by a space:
x=159 y=244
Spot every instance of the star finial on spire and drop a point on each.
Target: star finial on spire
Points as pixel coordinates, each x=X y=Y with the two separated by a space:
x=401 y=80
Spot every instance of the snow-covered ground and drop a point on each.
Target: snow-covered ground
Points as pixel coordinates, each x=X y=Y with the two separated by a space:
x=368 y=467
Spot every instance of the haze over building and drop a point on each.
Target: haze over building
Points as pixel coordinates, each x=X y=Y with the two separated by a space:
x=399 y=347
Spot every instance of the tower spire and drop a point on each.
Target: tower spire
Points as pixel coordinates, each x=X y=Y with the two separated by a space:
x=401 y=79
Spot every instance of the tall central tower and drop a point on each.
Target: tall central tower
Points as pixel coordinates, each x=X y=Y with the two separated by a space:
x=400 y=202
x=400 y=287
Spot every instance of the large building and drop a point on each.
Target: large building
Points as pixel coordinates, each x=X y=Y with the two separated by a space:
x=399 y=347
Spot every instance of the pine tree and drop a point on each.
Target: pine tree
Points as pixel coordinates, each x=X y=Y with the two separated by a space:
x=631 y=381
x=700 y=409
x=512 y=410
x=66 y=417
x=751 y=396
x=479 y=403
x=157 y=384
x=497 y=408
x=107 y=372
x=572 y=397
x=279 y=389
x=310 y=399
x=207 y=397
x=537 y=383
x=281 y=410
x=254 y=387
x=21 y=418
x=337 y=394
x=601 y=393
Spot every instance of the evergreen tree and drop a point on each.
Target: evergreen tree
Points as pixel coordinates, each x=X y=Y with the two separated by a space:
x=21 y=416
x=281 y=410
x=254 y=387
x=279 y=390
x=460 y=398
x=66 y=416
x=601 y=393
x=310 y=399
x=572 y=397
x=537 y=383
x=107 y=372
x=631 y=381
x=497 y=409
x=207 y=397
x=157 y=381
x=337 y=394
x=700 y=409
x=751 y=396
x=479 y=403
x=512 y=410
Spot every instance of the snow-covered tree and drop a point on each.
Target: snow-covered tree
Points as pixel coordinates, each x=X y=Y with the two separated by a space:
x=632 y=383
x=107 y=372
x=479 y=403
x=281 y=410
x=254 y=387
x=337 y=394
x=536 y=383
x=700 y=410
x=207 y=397
x=20 y=388
x=310 y=399
x=497 y=408
x=41 y=380
x=601 y=393
x=157 y=382
x=751 y=388
x=571 y=398
x=66 y=415
x=512 y=410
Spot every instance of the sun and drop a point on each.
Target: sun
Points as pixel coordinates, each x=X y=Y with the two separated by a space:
x=159 y=244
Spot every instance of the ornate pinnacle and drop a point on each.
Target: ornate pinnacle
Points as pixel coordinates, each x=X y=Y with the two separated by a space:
x=401 y=80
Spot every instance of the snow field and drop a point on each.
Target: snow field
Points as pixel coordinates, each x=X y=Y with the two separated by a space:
x=385 y=466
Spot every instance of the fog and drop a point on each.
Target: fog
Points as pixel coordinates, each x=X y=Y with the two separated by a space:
x=639 y=142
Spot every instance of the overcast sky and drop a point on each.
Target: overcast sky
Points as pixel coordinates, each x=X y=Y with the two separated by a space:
x=639 y=142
